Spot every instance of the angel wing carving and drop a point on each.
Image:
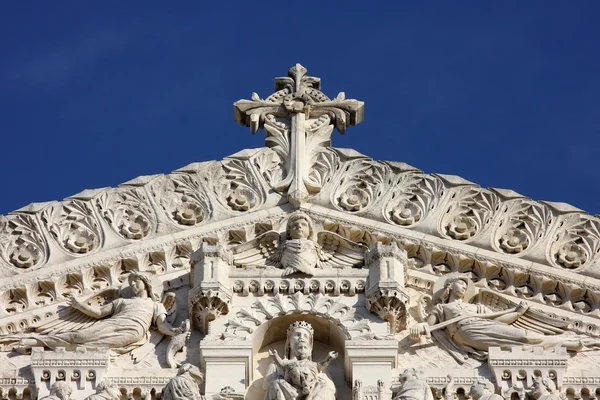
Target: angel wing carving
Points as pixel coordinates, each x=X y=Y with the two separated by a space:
x=299 y=254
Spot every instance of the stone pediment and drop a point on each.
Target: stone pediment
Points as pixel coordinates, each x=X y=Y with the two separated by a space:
x=518 y=249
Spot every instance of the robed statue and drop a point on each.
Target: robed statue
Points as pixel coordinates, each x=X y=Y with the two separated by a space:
x=299 y=249
x=297 y=376
x=123 y=325
x=413 y=387
x=465 y=329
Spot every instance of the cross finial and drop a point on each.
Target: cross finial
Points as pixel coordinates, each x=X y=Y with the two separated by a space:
x=298 y=119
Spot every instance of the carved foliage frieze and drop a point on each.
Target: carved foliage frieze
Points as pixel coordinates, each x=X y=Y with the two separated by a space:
x=413 y=196
x=73 y=226
x=523 y=223
x=236 y=187
x=21 y=241
x=361 y=184
x=469 y=210
x=128 y=212
x=182 y=198
x=576 y=241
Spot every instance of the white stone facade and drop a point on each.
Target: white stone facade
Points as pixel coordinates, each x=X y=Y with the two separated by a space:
x=368 y=279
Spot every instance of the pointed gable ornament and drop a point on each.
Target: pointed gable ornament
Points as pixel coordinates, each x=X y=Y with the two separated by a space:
x=298 y=120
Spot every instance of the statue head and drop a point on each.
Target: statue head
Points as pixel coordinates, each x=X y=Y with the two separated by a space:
x=481 y=387
x=299 y=226
x=299 y=343
x=542 y=386
x=140 y=283
x=407 y=375
x=61 y=389
x=109 y=387
x=191 y=370
x=453 y=285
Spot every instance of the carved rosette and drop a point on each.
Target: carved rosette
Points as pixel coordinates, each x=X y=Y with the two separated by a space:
x=523 y=223
x=468 y=211
x=361 y=185
x=128 y=212
x=74 y=227
x=413 y=197
x=182 y=199
x=577 y=242
x=21 y=242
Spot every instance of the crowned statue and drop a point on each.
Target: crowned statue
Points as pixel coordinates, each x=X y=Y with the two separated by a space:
x=297 y=376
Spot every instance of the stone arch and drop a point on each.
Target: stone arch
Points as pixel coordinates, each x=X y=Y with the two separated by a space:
x=248 y=321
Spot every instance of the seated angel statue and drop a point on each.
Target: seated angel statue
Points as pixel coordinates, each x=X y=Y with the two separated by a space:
x=297 y=377
x=465 y=329
x=121 y=325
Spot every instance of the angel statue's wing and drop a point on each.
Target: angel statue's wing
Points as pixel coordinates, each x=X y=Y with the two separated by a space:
x=69 y=319
x=339 y=252
x=262 y=251
x=531 y=320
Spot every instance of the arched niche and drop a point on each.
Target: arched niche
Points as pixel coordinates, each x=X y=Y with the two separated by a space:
x=272 y=335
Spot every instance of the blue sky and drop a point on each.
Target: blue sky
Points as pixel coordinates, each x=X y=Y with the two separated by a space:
x=505 y=94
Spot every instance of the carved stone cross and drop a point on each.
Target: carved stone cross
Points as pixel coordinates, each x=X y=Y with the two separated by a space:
x=298 y=120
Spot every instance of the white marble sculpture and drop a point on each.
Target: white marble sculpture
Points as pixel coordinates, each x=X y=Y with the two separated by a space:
x=465 y=329
x=483 y=389
x=185 y=385
x=297 y=376
x=298 y=251
x=60 y=390
x=105 y=391
x=121 y=325
x=413 y=387
x=544 y=389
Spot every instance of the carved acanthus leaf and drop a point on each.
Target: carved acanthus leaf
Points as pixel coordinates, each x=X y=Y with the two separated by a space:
x=182 y=198
x=128 y=212
x=577 y=242
x=361 y=184
x=522 y=225
x=469 y=210
x=413 y=197
x=74 y=227
x=21 y=242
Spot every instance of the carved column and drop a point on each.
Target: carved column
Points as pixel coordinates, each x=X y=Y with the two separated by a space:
x=210 y=295
x=386 y=295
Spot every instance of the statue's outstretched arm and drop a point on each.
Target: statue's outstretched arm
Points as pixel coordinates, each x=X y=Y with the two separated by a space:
x=165 y=327
x=330 y=357
x=94 y=312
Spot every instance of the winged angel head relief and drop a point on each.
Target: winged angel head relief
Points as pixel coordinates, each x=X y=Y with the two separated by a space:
x=123 y=324
x=468 y=329
x=299 y=249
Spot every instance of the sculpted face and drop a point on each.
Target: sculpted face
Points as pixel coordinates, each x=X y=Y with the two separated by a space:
x=300 y=343
x=137 y=286
x=459 y=288
x=404 y=377
x=300 y=229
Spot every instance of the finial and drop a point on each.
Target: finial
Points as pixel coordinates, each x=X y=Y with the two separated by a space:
x=298 y=120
